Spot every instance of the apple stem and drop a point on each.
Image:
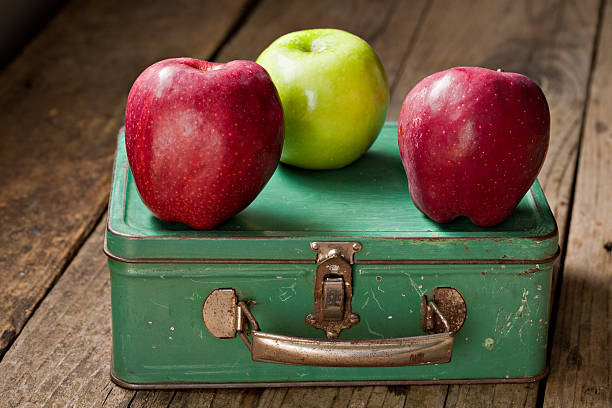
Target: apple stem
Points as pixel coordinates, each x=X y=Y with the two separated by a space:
x=500 y=70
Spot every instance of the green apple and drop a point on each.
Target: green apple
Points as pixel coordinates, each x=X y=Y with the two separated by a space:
x=334 y=93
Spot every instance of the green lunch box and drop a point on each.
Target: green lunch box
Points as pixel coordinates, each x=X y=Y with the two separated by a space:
x=328 y=278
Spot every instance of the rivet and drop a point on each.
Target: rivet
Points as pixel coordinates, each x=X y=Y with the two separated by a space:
x=334 y=252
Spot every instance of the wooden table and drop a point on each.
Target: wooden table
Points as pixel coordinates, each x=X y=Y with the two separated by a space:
x=62 y=101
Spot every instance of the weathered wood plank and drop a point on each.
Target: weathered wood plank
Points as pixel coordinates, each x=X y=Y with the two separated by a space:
x=272 y=397
x=199 y=398
x=309 y=397
x=493 y=395
x=62 y=355
x=251 y=397
x=581 y=363
x=389 y=26
x=227 y=398
x=360 y=397
x=61 y=103
x=552 y=42
x=342 y=397
x=424 y=396
x=152 y=399
x=376 y=398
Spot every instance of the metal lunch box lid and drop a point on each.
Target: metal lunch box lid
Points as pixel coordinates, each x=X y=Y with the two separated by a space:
x=366 y=202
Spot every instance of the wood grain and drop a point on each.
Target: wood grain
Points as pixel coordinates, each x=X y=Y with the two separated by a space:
x=581 y=364
x=61 y=103
x=62 y=355
x=549 y=41
x=272 y=397
x=192 y=398
x=538 y=39
x=389 y=26
x=493 y=395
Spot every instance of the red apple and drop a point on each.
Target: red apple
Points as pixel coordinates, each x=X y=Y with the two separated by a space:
x=202 y=138
x=472 y=142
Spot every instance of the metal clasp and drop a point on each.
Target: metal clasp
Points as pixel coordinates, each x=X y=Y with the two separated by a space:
x=333 y=289
x=333 y=298
x=329 y=249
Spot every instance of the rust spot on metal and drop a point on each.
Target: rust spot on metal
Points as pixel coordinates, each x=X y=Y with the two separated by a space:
x=219 y=313
x=529 y=271
x=379 y=278
x=452 y=306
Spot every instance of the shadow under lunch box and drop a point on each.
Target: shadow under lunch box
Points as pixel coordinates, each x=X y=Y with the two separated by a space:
x=328 y=278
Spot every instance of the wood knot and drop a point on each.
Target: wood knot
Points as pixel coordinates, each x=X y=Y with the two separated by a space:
x=574 y=359
x=608 y=246
x=398 y=389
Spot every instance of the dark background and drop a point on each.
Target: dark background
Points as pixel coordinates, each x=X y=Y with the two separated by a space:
x=20 y=21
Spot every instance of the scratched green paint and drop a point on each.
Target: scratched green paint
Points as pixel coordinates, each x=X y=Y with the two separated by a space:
x=158 y=333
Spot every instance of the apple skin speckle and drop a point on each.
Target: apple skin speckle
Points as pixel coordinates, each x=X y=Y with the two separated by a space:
x=472 y=142
x=202 y=138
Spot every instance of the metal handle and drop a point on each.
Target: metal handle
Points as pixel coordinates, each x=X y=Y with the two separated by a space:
x=224 y=316
x=403 y=351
